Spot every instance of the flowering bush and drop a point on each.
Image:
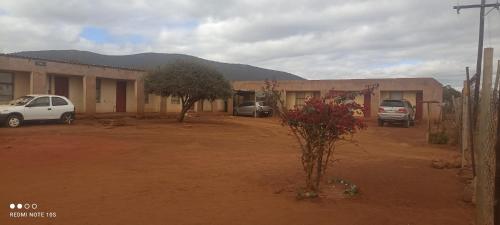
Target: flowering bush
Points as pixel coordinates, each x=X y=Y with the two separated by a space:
x=317 y=126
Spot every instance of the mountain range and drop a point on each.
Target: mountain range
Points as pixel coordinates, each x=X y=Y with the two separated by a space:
x=151 y=60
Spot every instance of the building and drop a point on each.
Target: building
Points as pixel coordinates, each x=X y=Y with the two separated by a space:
x=103 y=89
x=91 y=88
x=415 y=90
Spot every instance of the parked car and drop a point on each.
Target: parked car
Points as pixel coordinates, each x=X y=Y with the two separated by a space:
x=253 y=109
x=396 y=111
x=37 y=107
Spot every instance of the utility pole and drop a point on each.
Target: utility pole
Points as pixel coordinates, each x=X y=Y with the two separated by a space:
x=477 y=77
x=483 y=215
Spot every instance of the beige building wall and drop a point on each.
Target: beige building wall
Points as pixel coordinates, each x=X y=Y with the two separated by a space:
x=219 y=105
x=207 y=106
x=76 y=92
x=154 y=103
x=108 y=96
x=21 y=84
x=172 y=107
x=131 y=102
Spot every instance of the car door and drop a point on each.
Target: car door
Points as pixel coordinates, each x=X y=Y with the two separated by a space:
x=59 y=106
x=38 y=109
x=242 y=108
x=248 y=108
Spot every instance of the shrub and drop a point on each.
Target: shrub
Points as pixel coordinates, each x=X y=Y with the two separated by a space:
x=317 y=126
x=440 y=138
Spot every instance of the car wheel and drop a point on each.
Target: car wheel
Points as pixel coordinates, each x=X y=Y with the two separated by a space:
x=13 y=121
x=67 y=118
x=380 y=123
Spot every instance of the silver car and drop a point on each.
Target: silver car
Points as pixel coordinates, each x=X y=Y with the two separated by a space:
x=253 y=109
x=396 y=111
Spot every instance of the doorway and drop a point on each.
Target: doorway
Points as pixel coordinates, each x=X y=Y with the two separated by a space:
x=121 y=96
x=61 y=86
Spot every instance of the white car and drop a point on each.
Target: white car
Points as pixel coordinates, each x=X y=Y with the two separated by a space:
x=37 y=107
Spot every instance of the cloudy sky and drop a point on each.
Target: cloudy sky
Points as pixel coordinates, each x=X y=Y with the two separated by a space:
x=316 y=39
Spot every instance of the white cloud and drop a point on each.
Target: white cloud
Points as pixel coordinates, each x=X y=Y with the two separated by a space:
x=317 y=39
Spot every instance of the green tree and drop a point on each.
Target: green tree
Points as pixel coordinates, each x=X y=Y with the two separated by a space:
x=189 y=81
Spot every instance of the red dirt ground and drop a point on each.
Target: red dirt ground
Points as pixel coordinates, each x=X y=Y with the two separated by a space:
x=218 y=170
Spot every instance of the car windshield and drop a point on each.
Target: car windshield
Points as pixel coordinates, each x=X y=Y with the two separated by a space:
x=21 y=101
x=392 y=103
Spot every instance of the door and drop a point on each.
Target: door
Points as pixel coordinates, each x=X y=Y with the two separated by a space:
x=38 y=109
x=60 y=106
x=419 y=105
x=367 y=104
x=61 y=86
x=121 y=96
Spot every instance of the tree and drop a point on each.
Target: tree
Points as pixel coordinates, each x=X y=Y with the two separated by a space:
x=317 y=126
x=189 y=81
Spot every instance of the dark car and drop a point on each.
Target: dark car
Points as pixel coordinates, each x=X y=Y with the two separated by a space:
x=253 y=109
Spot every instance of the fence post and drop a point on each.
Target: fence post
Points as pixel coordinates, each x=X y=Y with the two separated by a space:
x=485 y=192
x=497 y=151
x=470 y=115
x=465 y=122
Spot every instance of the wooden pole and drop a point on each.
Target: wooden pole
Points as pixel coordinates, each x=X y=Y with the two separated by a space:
x=495 y=87
x=497 y=152
x=485 y=191
x=471 y=125
x=465 y=123
x=428 y=122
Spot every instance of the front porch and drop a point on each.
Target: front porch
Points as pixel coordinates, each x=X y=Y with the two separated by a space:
x=89 y=94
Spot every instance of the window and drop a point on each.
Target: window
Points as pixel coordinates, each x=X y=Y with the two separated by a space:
x=396 y=95
x=392 y=103
x=175 y=100
x=6 y=87
x=300 y=98
x=98 y=90
x=246 y=104
x=40 y=102
x=21 y=101
x=56 y=101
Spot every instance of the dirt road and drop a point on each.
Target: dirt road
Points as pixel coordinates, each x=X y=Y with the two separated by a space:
x=218 y=170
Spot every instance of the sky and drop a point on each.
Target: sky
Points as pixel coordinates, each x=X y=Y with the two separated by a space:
x=315 y=39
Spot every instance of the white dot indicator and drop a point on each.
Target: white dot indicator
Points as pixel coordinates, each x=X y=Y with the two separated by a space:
x=12 y=206
x=19 y=206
